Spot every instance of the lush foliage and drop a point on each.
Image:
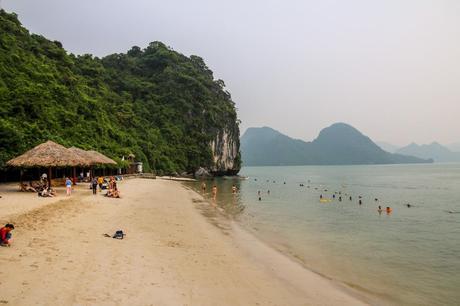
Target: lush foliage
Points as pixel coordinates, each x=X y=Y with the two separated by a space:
x=156 y=103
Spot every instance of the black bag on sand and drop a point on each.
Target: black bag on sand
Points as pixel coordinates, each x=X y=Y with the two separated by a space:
x=119 y=235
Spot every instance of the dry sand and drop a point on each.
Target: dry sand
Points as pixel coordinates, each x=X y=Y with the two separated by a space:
x=172 y=254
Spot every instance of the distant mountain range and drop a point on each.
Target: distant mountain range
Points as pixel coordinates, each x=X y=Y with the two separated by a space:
x=455 y=147
x=436 y=151
x=339 y=144
x=387 y=146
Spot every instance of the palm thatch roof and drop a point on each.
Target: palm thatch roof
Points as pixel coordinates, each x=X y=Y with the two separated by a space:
x=48 y=154
x=90 y=158
x=101 y=158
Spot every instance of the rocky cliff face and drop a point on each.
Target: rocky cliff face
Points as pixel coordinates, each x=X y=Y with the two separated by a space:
x=226 y=152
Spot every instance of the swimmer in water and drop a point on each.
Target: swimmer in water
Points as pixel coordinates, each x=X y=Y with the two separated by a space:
x=258 y=192
x=351 y=199
x=360 y=202
x=389 y=210
x=284 y=183
x=320 y=196
x=333 y=196
x=268 y=191
x=380 y=209
x=376 y=199
x=408 y=205
x=340 y=199
x=260 y=198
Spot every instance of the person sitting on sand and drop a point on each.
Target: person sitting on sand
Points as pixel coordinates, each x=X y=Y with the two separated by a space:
x=113 y=193
x=47 y=192
x=25 y=187
x=5 y=234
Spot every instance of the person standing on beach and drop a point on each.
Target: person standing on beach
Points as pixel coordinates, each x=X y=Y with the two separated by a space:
x=203 y=187
x=5 y=234
x=214 y=192
x=68 y=185
x=94 y=185
x=234 y=189
x=100 y=180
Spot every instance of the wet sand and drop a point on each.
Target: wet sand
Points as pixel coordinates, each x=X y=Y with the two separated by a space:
x=172 y=254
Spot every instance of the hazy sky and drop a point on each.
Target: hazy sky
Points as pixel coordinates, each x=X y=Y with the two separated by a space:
x=391 y=68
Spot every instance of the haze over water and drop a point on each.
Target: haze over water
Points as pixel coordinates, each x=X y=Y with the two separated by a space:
x=409 y=257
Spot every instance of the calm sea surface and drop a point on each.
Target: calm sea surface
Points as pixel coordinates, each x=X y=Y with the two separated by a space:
x=408 y=257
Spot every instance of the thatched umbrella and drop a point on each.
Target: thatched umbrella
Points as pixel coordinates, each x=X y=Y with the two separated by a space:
x=48 y=154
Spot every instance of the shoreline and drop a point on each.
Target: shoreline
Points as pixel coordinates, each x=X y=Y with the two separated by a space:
x=284 y=265
x=172 y=254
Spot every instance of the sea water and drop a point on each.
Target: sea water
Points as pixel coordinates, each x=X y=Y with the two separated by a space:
x=408 y=257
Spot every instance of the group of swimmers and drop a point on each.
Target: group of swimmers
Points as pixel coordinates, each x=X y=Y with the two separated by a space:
x=388 y=209
x=360 y=202
x=214 y=190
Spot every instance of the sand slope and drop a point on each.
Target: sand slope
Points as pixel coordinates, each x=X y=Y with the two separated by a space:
x=172 y=255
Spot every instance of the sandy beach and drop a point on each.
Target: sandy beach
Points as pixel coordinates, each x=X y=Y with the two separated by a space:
x=172 y=255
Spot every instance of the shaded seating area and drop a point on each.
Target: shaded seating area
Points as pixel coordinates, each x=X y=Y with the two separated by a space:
x=53 y=156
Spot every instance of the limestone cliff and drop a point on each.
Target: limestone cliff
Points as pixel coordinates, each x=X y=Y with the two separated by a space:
x=225 y=150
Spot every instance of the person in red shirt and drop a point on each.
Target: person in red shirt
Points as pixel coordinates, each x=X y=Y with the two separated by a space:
x=5 y=234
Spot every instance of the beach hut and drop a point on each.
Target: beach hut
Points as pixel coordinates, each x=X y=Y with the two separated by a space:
x=93 y=157
x=49 y=155
x=100 y=158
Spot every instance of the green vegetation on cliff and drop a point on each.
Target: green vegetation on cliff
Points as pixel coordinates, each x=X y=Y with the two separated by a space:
x=162 y=106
